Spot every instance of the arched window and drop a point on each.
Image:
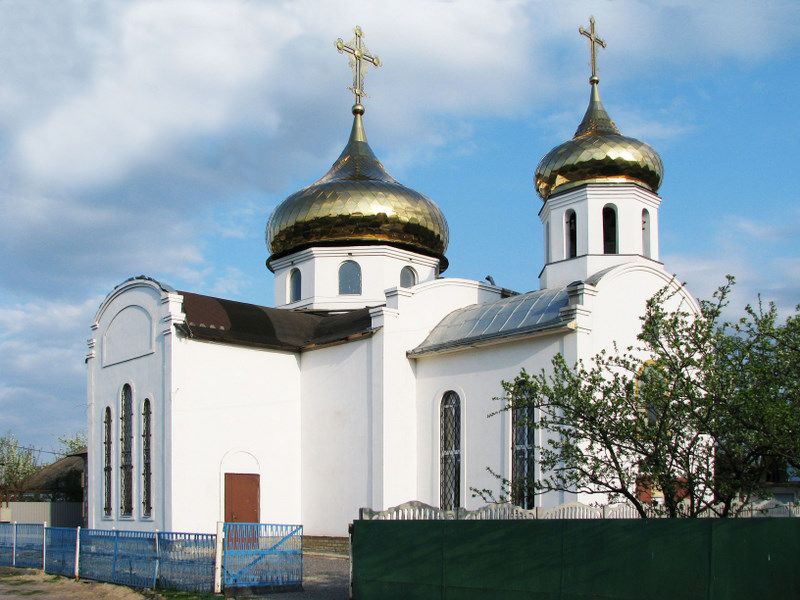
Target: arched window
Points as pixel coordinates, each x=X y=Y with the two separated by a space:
x=450 y=451
x=126 y=451
x=609 y=229
x=107 y=424
x=523 y=464
x=147 y=472
x=646 y=233
x=570 y=234
x=408 y=277
x=349 y=278
x=651 y=388
x=295 y=285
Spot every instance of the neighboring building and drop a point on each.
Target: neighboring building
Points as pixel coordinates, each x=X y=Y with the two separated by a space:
x=370 y=382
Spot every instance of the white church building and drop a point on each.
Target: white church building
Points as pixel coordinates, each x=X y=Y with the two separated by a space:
x=369 y=381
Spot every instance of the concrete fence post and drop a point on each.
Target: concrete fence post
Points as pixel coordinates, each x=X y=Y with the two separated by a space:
x=44 y=545
x=78 y=552
x=157 y=565
x=14 y=544
x=218 y=558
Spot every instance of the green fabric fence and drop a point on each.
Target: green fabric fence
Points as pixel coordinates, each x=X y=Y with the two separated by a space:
x=653 y=559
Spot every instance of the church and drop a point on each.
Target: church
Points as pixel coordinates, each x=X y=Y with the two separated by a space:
x=369 y=381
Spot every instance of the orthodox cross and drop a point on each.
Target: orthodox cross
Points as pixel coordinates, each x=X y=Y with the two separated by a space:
x=594 y=41
x=359 y=59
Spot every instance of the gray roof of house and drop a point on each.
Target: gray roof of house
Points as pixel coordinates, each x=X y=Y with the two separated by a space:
x=496 y=321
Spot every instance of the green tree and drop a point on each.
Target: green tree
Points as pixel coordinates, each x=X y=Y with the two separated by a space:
x=699 y=410
x=16 y=465
x=72 y=443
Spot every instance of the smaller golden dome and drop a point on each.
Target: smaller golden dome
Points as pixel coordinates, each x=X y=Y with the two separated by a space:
x=357 y=202
x=598 y=153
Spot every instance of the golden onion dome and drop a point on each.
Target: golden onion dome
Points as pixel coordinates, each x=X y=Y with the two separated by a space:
x=357 y=202
x=598 y=153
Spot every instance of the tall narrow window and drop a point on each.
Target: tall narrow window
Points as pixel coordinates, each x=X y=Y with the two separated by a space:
x=408 y=277
x=126 y=452
x=349 y=278
x=646 y=233
x=295 y=285
x=571 y=234
x=450 y=451
x=147 y=473
x=107 y=424
x=524 y=461
x=609 y=229
x=547 y=241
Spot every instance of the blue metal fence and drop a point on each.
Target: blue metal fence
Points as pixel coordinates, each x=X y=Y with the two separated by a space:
x=255 y=555
x=259 y=555
x=6 y=544
x=29 y=545
x=60 y=555
x=186 y=561
x=123 y=557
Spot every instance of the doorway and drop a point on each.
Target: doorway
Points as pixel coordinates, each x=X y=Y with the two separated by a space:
x=242 y=497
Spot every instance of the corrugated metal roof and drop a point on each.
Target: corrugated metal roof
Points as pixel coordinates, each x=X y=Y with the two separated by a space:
x=507 y=317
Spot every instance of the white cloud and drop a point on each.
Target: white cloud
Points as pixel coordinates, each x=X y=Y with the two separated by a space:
x=124 y=125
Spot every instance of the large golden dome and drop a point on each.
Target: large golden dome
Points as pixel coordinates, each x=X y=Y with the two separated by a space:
x=357 y=202
x=598 y=153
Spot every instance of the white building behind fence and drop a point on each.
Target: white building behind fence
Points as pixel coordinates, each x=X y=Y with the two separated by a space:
x=370 y=381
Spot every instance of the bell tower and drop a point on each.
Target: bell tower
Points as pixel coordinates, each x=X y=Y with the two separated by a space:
x=600 y=195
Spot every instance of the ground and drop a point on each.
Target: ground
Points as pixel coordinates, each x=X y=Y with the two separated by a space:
x=325 y=578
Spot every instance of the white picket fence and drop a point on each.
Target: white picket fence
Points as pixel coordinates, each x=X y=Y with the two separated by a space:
x=415 y=510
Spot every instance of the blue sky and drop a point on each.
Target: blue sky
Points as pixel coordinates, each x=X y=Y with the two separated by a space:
x=157 y=137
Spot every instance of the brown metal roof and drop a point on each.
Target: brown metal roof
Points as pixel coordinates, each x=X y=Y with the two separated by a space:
x=231 y=322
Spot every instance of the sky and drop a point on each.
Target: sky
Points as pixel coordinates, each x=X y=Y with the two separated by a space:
x=157 y=137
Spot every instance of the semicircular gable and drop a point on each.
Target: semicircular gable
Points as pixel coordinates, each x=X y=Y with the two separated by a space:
x=129 y=335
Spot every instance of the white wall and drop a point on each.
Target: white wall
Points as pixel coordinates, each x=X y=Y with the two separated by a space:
x=476 y=375
x=234 y=409
x=337 y=416
x=131 y=336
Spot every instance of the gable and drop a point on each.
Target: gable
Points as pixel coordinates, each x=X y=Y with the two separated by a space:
x=129 y=335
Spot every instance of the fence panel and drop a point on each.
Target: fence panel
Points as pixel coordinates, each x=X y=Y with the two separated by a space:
x=30 y=545
x=266 y=556
x=123 y=557
x=186 y=561
x=60 y=556
x=6 y=544
x=614 y=559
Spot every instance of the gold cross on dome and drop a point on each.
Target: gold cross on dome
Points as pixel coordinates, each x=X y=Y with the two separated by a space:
x=359 y=59
x=594 y=41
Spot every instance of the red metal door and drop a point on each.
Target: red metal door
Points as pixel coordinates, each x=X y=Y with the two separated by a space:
x=242 y=497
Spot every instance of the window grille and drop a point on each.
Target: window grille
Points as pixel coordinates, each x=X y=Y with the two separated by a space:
x=408 y=277
x=126 y=452
x=295 y=285
x=524 y=456
x=450 y=449
x=349 y=278
x=107 y=462
x=147 y=494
